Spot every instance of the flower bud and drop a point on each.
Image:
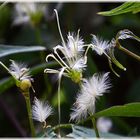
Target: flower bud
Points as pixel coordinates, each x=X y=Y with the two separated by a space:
x=25 y=85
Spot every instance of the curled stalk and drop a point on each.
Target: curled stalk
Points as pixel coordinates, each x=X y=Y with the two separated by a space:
x=125 y=34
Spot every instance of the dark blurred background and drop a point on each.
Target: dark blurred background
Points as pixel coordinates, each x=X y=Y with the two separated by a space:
x=73 y=16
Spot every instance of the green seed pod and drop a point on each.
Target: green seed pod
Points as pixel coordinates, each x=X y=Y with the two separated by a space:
x=25 y=85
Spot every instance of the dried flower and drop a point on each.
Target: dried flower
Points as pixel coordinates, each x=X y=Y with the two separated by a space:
x=104 y=124
x=90 y=90
x=99 y=45
x=19 y=71
x=74 y=46
x=73 y=52
x=74 y=62
x=124 y=34
x=41 y=110
x=107 y=48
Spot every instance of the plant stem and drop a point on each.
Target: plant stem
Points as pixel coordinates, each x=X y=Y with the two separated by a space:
x=70 y=125
x=38 y=36
x=62 y=126
x=95 y=128
x=59 y=106
x=28 y=105
x=67 y=126
x=128 y=52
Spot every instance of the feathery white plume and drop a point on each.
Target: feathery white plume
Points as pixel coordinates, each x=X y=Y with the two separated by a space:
x=90 y=90
x=74 y=45
x=19 y=71
x=99 y=45
x=41 y=110
x=73 y=52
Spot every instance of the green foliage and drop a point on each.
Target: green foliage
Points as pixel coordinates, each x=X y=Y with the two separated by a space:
x=83 y=132
x=127 y=110
x=4 y=19
x=133 y=7
x=47 y=35
x=9 y=49
x=6 y=84
x=77 y=132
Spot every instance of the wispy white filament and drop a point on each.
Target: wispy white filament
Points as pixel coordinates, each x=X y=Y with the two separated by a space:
x=99 y=45
x=74 y=45
x=91 y=89
x=41 y=110
x=19 y=71
x=72 y=51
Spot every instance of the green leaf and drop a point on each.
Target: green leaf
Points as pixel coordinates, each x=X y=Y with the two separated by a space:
x=83 y=132
x=133 y=7
x=9 y=49
x=5 y=14
x=127 y=110
x=6 y=83
x=48 y=132
x=77 y=132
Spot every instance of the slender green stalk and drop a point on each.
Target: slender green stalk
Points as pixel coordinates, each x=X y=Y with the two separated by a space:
x=28 y=105
x=88 y=47
x=69 y=125
x=59 y=107
x=95 y=128
x=59 y=111
x=6 y=68
x=58 y=24
x=127 y=51
x=110 y=65
x=38 y=36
